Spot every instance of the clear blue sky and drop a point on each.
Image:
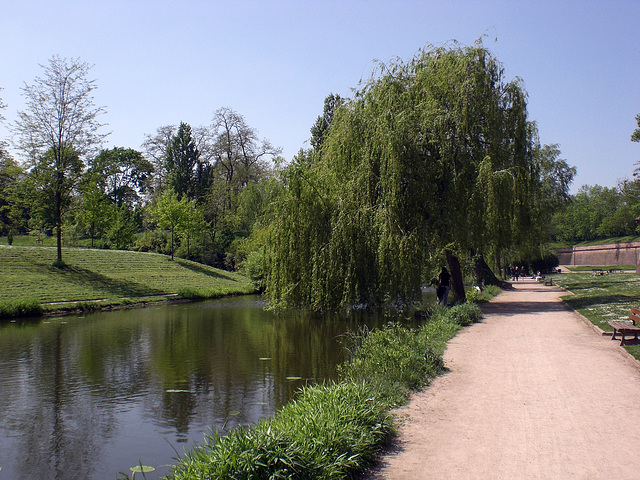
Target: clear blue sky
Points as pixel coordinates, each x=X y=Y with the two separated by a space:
x=160 y=62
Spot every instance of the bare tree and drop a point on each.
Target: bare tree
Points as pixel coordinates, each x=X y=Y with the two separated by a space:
x=237 y=149
x=4 y=151
x=2 y=106
x=60 y=117
x=155 y=148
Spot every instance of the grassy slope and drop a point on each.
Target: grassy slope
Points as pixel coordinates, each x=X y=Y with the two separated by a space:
x=26 y=273
x=605 y=241
x=603 y=298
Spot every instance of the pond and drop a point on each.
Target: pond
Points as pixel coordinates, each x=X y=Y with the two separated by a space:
x=91 y=396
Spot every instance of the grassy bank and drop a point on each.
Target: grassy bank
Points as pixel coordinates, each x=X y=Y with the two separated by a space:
x=603 y=298
x=335 y=430
x=94 y=279
x=589 y=268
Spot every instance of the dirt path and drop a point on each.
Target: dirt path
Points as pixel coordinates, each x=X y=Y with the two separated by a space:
x=533 y=392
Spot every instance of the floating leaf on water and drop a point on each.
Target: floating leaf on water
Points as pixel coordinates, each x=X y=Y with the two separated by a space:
x=142 y=469
x=178 y=390
x=294 y=378
x=264 y=358
x=233 y=413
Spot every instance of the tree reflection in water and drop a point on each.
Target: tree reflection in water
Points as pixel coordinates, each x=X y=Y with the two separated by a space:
x=90 y=396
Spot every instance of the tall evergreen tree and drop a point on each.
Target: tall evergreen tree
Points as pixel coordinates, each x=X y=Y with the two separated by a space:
x=181 y=163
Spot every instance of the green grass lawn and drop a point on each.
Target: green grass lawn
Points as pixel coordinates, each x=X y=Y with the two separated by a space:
x=26 y=273
x=589 y=268
x=603 y=298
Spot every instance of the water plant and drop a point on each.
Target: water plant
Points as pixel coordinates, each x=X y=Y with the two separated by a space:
x=141 y=469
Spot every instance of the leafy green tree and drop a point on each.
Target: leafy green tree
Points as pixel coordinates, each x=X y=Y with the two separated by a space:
x=122 y=174
x=555 y=174
x=94 y=208
x=52 y=182
x=431 y=158
x=597 y=212
x=170 y=213
x=12 y=216
x=192 y=223
x=635 y=136
x=556 y=177
x=156 y=148
x=57 y=129
x=122 y=226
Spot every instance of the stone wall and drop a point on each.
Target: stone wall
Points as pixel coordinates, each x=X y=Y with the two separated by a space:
x=609 y=254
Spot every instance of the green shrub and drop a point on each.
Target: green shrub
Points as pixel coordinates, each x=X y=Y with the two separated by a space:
x=394 y=359
x=195 y=293
x=253 y=267
x=20 y=308
x=328 y=431
x=192 y=293
x=473 y=294
x=465 y=313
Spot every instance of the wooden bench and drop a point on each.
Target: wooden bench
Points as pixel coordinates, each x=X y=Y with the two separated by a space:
x=627 y=328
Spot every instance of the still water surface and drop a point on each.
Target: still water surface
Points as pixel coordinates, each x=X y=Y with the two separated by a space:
x=87 y=397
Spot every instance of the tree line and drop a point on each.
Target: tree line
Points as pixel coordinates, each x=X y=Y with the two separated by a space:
x=599 y=213
x=433 y=161
x=194 y=191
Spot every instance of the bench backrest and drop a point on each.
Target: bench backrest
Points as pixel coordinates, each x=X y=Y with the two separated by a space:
x=635 y=316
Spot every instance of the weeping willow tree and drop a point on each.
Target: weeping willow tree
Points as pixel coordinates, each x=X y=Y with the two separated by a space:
x=430 y=157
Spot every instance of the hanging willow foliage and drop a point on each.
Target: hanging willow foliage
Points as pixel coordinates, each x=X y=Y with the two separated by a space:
x=428 y=154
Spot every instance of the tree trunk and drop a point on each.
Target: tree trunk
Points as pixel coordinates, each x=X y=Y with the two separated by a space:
x=59 y=228
x=484 y=274
x=457 y=284
x=172 y=244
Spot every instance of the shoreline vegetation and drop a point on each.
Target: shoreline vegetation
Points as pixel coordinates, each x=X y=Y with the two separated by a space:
x=95 y=279
x=336 y=429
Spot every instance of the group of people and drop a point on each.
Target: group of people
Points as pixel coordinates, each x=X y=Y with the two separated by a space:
x=515 y=272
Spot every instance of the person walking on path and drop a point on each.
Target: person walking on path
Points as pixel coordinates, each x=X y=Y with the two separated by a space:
x=532 y=392
x=444 y=284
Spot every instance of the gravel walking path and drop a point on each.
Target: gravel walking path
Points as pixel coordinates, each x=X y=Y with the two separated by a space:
x=533 y=392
